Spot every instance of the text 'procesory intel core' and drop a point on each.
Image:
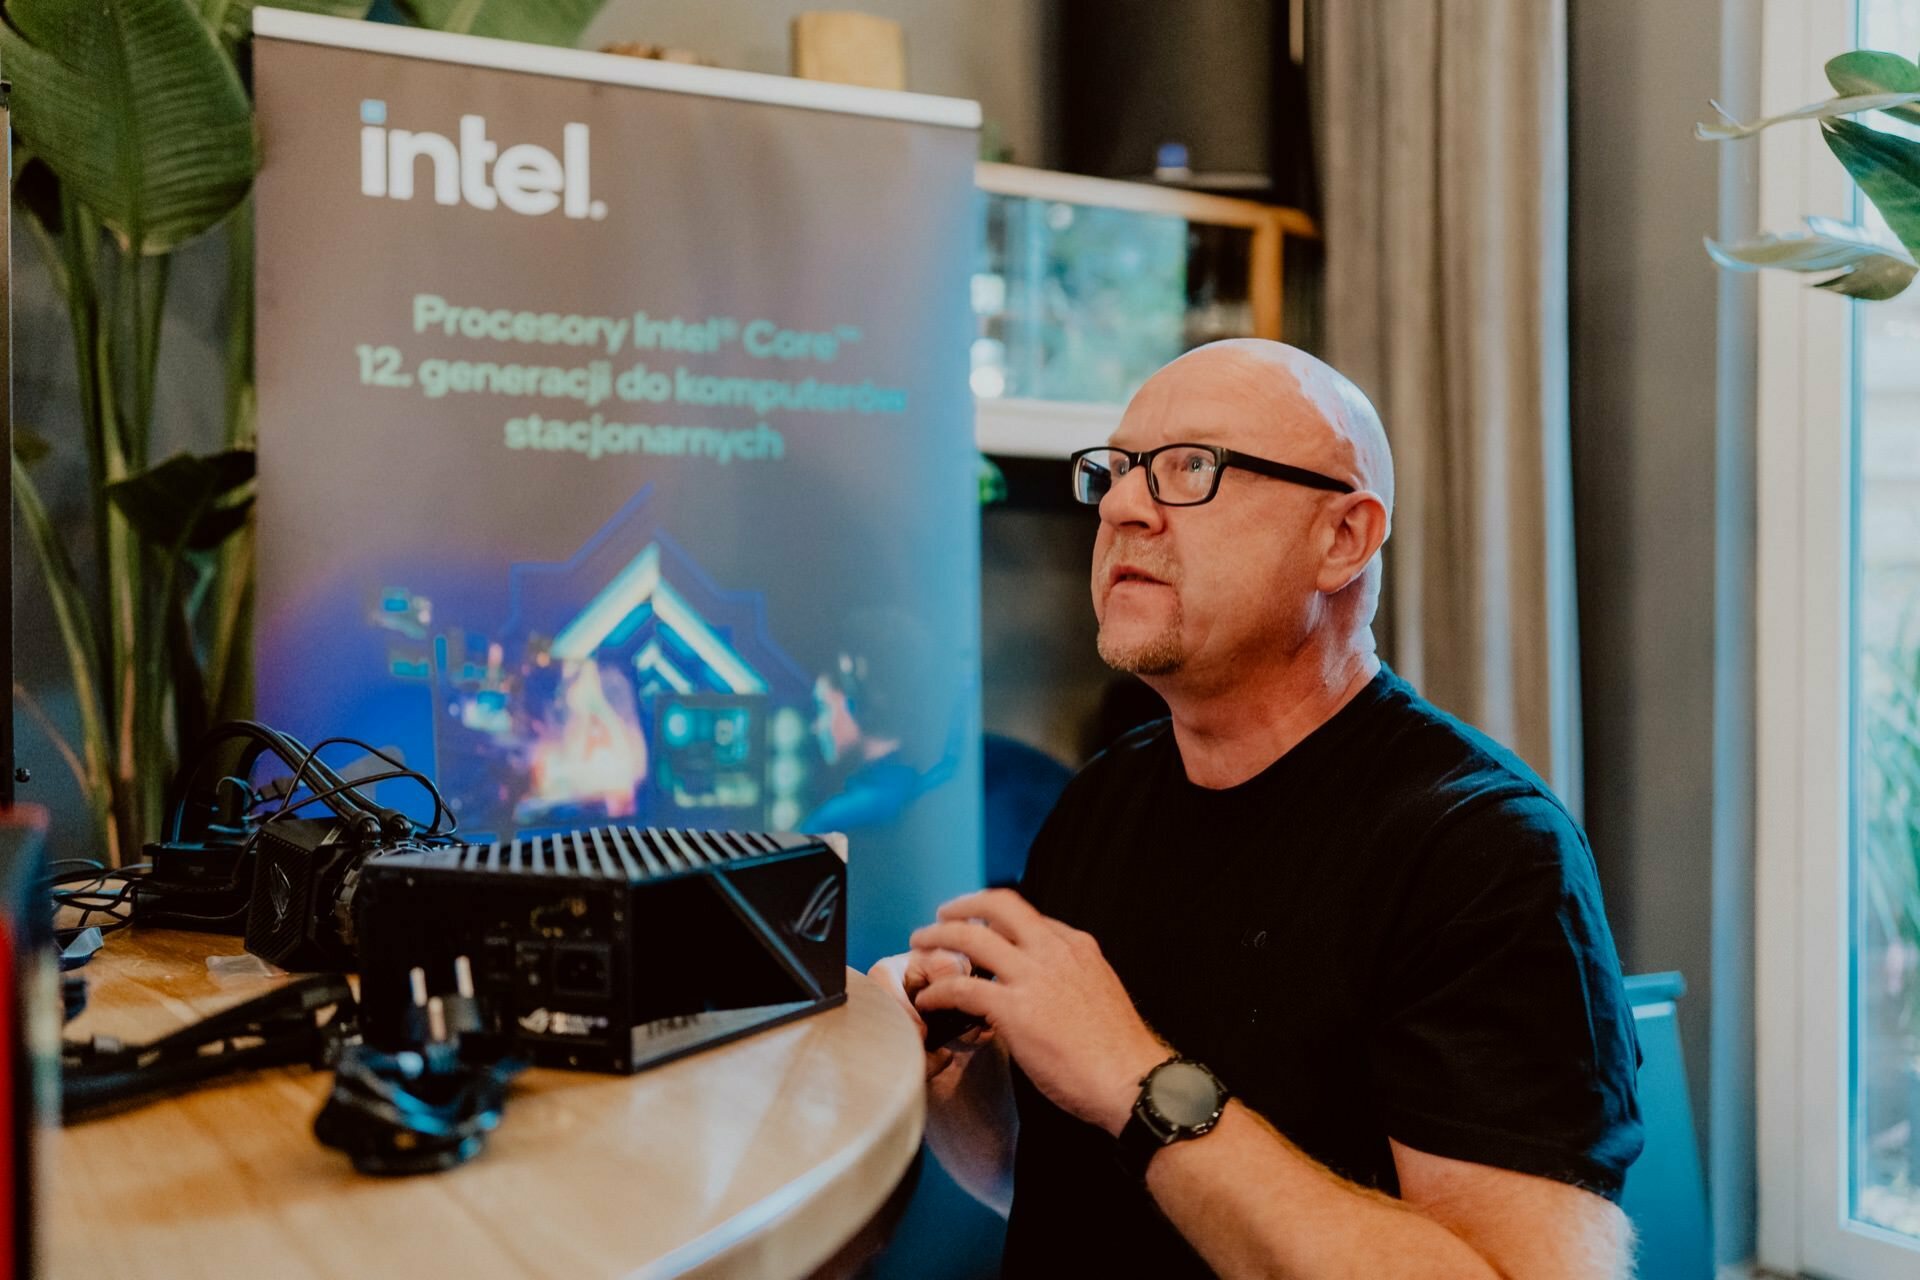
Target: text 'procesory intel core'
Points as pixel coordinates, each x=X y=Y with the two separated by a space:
x=585 y=385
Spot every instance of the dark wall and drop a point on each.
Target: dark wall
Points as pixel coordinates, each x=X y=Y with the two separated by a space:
x=1662 y=373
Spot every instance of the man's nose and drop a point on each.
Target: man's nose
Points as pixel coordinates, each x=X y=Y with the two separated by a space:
x=1130 y=501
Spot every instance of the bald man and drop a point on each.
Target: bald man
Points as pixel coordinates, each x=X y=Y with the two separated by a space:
x=1310 y=980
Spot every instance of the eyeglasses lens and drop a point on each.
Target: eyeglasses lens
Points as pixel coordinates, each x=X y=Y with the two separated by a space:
x=1184 y=476
x=1093 y=475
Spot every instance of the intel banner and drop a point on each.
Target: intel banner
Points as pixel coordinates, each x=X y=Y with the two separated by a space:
x=616 y=454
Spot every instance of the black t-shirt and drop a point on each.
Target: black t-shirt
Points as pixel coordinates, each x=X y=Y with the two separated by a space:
x=1394 y=931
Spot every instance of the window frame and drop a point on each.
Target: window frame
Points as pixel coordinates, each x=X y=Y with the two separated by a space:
x=1804 y=559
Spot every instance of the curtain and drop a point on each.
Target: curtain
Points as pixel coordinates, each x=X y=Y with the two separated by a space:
x=1441 y=127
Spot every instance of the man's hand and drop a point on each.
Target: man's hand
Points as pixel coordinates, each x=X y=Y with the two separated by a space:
x=1056 y=1005
x=971 y=1121
x=906 y=975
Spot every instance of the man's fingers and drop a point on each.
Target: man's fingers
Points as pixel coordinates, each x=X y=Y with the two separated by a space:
x=937 y=1061
x=985 y=948
x=888 y=973
x=887 y=970
x=926 y=964
x=1006 y=911
x=975 y=1037
x=976 y=996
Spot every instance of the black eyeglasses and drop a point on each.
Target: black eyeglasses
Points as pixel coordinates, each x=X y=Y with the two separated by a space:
x=1181 y=475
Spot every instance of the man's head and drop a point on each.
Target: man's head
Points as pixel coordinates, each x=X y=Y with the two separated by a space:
x=1193 y=597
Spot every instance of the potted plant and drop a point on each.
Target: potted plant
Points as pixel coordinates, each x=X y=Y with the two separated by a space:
x=135 y=137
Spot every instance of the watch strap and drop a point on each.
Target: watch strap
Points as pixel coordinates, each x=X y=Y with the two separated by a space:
x=1146 y=1131
x=1136 y=1145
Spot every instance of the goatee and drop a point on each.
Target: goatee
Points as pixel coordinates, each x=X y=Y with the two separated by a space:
x=1158 y=655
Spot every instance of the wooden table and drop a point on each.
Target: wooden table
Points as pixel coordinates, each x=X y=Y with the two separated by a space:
x=759 y=1158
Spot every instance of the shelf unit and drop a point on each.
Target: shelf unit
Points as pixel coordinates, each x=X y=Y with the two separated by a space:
x=1042 y=428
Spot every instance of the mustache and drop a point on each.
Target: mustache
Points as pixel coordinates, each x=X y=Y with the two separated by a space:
x=1150 y=559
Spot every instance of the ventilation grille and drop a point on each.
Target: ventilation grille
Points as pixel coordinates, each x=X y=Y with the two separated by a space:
x=621 y=852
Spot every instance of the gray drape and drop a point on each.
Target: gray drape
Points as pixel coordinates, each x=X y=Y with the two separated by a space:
x=1443 y=164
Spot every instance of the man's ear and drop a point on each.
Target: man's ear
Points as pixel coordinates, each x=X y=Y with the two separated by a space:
x=1359 y=526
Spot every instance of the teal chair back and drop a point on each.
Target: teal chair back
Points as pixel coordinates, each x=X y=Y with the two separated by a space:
x=1665 y=1195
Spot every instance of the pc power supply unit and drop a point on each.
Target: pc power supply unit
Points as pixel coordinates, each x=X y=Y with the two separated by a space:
x=611 y=948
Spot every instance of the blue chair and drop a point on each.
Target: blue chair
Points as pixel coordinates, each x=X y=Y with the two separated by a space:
x=1020 y=786
x=1664 y=1194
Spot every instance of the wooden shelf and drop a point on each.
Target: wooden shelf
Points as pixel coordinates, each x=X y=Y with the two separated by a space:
x=1140 y=197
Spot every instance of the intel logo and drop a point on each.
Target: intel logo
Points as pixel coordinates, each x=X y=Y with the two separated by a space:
x=525 y=178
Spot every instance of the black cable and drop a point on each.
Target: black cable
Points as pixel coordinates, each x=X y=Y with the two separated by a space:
x=91 y=863
x=440 y=806
x=412 y=1111
x=228 y=820
x=384 y=776
x=282 y=1026
x=427 y=1105
x=98 y=873
x=90 y=898
x=400 y=770
x=341 y=796
x=260 y=739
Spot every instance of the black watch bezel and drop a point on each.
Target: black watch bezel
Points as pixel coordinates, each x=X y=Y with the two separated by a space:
x=1147 y=1130
x=1168 y=1130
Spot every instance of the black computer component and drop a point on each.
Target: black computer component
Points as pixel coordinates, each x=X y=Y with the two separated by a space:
x=309 y=829
x=612 y=948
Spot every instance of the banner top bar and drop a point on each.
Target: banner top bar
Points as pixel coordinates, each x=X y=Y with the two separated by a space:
x=610 y=68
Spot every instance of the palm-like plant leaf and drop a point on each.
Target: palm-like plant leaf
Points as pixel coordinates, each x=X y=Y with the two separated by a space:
x=137 y=110
x=1867 y=265
x=232 y=20
x=557 y=22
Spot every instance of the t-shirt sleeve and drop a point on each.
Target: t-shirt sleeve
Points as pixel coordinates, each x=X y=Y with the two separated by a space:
x=1506 y=1037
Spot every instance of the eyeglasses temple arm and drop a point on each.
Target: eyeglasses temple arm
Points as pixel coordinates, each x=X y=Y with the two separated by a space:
x=1281 y=471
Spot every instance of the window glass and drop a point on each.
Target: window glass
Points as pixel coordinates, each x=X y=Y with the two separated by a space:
x=1885 y=1130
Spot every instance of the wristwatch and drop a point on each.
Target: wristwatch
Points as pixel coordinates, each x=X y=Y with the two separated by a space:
x=1179 y=1099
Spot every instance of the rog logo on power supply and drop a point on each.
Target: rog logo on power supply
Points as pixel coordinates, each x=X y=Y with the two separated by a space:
x=815 y=920
x=280 y=892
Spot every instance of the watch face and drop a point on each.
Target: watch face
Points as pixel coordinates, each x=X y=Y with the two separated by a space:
x=1184 y=1095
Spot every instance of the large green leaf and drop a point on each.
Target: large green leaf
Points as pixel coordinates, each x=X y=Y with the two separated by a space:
x=1869 y=266
x=232 y=20
x=136 y=109
x=1887 y=167
x=1866 y=71
x=537 y=21
x=188 y=501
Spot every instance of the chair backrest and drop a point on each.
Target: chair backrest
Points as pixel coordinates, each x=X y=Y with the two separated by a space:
x=1665 y=1195
x=1020 y=784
